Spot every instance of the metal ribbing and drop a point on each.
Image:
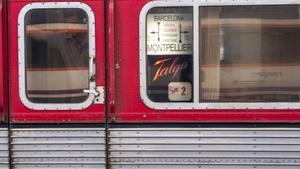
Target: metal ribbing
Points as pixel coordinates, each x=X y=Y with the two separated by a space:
x=234 y=148
x=58 y=148
x=4 y=164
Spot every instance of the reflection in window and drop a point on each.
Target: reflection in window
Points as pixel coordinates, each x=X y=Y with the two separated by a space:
x=56 y=55
x=249 y=54
x=170 y=54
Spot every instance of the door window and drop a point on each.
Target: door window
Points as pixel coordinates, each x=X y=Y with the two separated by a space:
x=56 y=56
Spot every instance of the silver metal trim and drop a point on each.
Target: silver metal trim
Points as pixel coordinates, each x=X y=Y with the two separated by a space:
x=196 y=104
x=57 y=148
x=100 y=99
x=4 y=149
x=196 y=54
x=21 y=54
x=240 y=148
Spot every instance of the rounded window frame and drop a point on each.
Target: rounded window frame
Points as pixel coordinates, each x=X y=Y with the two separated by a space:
x=196 y=104
x=21 y=54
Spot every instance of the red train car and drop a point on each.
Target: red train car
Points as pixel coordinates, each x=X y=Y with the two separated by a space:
x=57 y=72
x=204 y=84
x=4 y=140
x=149 y=84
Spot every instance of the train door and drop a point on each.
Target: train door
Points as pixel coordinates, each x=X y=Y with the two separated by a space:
x=57 y=84
x=4 y=153
x=204 y=84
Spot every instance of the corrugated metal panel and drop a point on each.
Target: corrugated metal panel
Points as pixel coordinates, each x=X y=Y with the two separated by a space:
x=58 y=148
x=211 y=148
x=4 y=148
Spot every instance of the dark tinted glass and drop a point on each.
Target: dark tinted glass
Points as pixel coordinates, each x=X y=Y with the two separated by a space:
x=56 y=45
x=250 y=54
x=170 y=54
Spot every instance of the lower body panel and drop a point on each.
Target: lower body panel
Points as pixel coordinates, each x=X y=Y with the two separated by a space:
x=4 y=153
x=58 y=148
x=204 y=147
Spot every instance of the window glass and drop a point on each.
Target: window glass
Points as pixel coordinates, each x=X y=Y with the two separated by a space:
x=249 y=54
x=170 y=54
x=56 y=55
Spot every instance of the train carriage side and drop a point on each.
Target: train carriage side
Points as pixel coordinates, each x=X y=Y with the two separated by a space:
x=57 y=84
x=4 y=147
x=204 y=84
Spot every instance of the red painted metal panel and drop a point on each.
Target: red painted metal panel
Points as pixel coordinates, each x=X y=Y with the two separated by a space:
x=19 y=113
x=110 y=50
x=3 y=63
x=1 y=59
x=125 y=87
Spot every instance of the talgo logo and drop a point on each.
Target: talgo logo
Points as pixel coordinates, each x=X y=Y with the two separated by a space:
x=164 y=68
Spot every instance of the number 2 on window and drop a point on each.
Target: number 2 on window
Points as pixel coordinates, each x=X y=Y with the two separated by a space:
x=183 y=93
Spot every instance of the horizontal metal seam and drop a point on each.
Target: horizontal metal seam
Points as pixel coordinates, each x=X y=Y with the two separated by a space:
x=49 y=144
x=199 y=143
x=202 y=136
x=212 y=164
x=204 y=129
x=59 y=157
x=58 y=163
x=14 y=137
x=193 y=157
x=58 y=130
x=200 y=150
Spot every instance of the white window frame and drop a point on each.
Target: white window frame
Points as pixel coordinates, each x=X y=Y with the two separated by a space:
x=21 y=55
x=196 y=104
